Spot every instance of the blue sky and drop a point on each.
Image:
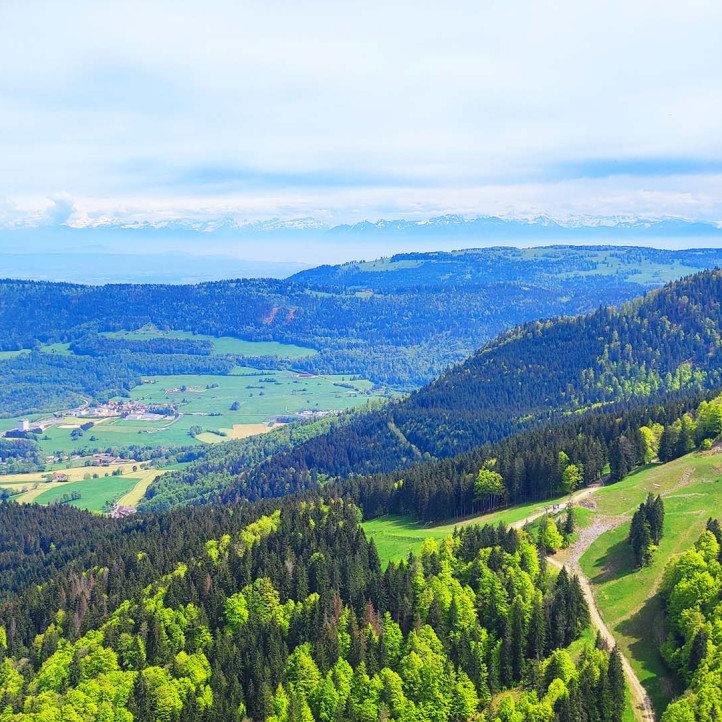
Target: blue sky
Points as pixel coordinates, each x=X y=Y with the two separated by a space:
x=358 y=110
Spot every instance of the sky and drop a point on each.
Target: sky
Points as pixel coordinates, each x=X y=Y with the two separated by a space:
x=346 y=111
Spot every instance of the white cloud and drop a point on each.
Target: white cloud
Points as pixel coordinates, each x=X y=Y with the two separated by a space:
x=348 y=110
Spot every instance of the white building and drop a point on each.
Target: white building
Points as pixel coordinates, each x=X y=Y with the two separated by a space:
x=24 y=425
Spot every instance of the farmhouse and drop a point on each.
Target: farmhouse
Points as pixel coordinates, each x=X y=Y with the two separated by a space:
x=59 y=476
x=120 y=512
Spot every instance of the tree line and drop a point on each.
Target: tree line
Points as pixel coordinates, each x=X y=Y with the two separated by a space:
x=290 y=616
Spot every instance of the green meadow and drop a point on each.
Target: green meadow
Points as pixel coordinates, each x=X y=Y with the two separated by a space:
x=692 y=491
x=396 y=536
x=95 y=493
x=221 y=344
x=206 y=401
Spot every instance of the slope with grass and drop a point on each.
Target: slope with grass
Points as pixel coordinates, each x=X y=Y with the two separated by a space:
x=627 y=597
x=95 y=494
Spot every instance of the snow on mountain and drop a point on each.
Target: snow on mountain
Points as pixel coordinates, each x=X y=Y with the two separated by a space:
x=449 y=225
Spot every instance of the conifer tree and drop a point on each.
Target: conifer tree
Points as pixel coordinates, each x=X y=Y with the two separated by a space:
x=615 y=674
x=517 y=640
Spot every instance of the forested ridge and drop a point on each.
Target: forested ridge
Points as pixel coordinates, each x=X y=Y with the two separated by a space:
x=548 y=266
x=665 y=345
x=290 y=616
x=406 y=326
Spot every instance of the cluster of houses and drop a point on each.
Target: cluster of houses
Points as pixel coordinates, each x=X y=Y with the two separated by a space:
x=108 y=459
x=115 y=408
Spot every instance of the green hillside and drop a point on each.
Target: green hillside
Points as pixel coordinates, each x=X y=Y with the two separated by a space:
x=550 y=266
x=628 y=597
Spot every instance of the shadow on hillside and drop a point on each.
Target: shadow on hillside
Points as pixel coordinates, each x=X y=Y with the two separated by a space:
x=645 y=632
x=618 y=562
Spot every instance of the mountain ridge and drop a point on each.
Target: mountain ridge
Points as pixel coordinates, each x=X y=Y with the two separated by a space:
x=491 y=225
x=542 y=372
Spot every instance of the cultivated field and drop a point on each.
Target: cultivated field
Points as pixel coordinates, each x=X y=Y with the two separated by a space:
x=76 y=473
x=95 y=494
x=222 y=407
x=127 y=489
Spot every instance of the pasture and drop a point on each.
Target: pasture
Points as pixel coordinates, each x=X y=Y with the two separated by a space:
x=95 y=493
x=236 y=406
x=221 y=344
x=692 y=491
x=128 y=488
x=396 y=536
x=4 y=355
x=74 y=473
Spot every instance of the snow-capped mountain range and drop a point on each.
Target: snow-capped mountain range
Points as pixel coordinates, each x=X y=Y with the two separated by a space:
x=484 y=227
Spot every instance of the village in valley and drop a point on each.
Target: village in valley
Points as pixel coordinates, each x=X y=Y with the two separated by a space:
x=62 y=476
x=102 y=455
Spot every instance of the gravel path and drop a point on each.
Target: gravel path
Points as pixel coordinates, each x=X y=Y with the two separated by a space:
x=570 y=558
x=574 y=498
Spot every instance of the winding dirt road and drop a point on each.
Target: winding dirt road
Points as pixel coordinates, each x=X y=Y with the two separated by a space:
x=642 y=704
x=574 y=499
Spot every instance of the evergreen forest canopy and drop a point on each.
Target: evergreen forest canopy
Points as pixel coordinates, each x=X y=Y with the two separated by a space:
x=290 y=616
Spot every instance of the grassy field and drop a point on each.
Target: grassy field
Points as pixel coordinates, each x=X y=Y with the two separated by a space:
x=76 y=473
x=11 y=422
x=4 y=355
x=692 y=491
x=396 y=536
x=60 y=348
x=221 y=344
x=145 y=479
x=258 y=397
x=234 y=406
x=34 y=487
x=95 y=493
